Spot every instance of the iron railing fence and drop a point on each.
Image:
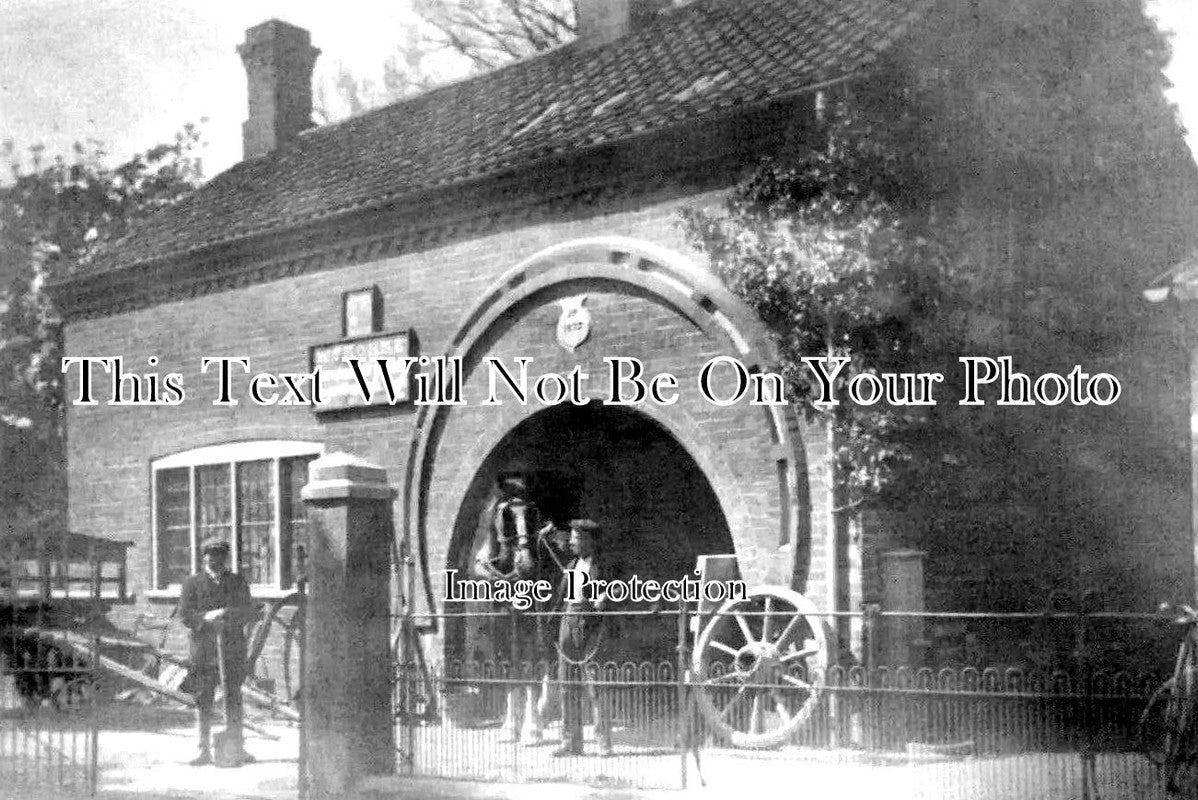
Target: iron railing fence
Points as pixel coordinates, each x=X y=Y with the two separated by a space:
x=1040 y=641
x=53 y=587
x=1055 y=716
x=49 y=721
x=471 y=740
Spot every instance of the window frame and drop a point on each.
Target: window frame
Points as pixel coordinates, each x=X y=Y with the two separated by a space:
x=230 y=455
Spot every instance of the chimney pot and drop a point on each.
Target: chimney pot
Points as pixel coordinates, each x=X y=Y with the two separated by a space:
x=278 y=60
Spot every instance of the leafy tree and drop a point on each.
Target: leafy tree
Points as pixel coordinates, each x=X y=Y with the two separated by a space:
x=836 y=262
x=1046 y=127
x=54 y=216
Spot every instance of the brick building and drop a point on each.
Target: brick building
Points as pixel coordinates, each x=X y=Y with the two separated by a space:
x=496 y=217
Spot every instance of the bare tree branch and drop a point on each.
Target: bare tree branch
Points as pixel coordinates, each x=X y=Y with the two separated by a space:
x=493 y=32
x=488 y=33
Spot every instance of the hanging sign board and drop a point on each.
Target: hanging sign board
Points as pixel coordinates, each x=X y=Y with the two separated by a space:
x=341 y=387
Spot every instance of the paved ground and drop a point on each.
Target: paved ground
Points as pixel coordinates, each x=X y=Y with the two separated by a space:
x=1033 y=777
x=143 y=755
x=136 y=763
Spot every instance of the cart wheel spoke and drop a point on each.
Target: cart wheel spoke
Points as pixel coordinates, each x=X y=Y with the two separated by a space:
x=765 y=621
x=806 y=652
x=792 y=680
x=789 y=630
x=721 y=680
x=744 y=627
x=723 y=648
x=740 y=693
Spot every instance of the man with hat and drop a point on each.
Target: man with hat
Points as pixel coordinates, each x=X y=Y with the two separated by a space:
x=216 y=602
x=579 y=639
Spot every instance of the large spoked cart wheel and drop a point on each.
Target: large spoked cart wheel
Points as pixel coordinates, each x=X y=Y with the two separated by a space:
x=759 y=667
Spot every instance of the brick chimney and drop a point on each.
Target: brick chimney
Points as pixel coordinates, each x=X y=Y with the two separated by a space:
x=278 y=62
x=603 y=21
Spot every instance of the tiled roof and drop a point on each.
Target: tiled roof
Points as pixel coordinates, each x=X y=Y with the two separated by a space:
x=708 y=56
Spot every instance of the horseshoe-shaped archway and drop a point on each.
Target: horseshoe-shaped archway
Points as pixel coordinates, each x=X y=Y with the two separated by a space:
x=753 y=456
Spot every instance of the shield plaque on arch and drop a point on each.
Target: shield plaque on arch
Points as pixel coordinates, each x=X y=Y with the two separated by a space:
x=574 y=325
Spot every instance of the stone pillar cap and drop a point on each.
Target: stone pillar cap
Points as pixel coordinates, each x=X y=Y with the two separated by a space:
x=341 y=476
x=905 y=554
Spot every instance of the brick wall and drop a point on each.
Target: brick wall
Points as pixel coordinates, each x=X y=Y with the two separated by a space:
x=273 y=324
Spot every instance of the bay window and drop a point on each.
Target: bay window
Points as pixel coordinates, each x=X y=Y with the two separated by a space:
x=245 y=493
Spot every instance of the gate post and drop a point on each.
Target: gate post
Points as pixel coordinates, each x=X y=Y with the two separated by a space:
x=349 y=723
x=903 y=590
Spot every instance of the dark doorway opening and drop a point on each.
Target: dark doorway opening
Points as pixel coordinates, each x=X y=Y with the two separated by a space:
x=621 y=469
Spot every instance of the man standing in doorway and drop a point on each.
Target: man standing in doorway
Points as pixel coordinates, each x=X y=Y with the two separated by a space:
x=579 y=640
x=216 y=602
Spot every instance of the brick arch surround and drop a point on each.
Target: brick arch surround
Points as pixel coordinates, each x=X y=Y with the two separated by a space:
x=651 y=303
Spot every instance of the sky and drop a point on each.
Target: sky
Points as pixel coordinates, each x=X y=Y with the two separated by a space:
x=130 y=73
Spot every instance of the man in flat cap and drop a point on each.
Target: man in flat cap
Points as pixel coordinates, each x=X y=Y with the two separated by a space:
x=216 y=602
x=579 y=640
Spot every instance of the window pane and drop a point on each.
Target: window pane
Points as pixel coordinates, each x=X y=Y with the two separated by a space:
x=174 y=526
x=216 y=517
x=255 y=521
x=295 y=521
x=254 y=505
